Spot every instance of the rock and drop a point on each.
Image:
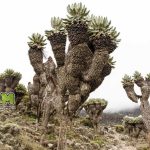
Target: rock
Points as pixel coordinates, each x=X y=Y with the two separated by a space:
x=50 y=145
x=124 y=137
x=90 y=135
x=69 y=142
x=3 y=118
x=95 y=145
x=107 y=147
x=80 y=130
x=115 y=142
x=6 y=137
x=10 y=128
x=8 y=147
x=111 y=132
x=1 y=136
x=77 y=146
x=142 y=147
x=84 y=138
x=14 y=130
x=110 y=136
x=50 y=128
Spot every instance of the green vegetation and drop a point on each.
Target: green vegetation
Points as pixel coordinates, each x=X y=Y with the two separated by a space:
x=21 y=89
x=29 y=143
x=2 y=76
x=102 y=102
x=111 y=62
x=86 y=122
x=119 y=128
x=101 y=26
x=76 y=12
x=37 y=40
x=137 y=76
x=98 y=140
x=17 y=75
x=57 y=25
x=148 y=76
x=127 y=80
x=133 y=120
x=9 y=73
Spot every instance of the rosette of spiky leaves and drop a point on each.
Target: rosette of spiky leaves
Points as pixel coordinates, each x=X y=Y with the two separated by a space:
x=137 y=76
x=17 y=75
x=133 y=120
x=57 y=26
x=9 y=73
x=76 y=24
x=108 y=67
x=102 y=26
x=111 y=62
x=127 y=80
x=21 y=89
x=57 y=38
x=2 y=76
x=76 y=11
x=103 y=34
x=92 y=101
x=148 y=77
x=37 y=41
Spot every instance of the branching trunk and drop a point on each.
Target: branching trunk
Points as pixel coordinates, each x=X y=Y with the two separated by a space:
x=145 y=110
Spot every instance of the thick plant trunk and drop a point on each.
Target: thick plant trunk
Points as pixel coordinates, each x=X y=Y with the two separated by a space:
x=2 y=86
x=77 y=33
x=148 y=137
x=18 y=97
x=58 y=42
x=8 y=84
x=36 y=60
x=9 y=89
x=145 y=110
x=8 y=81
x=131 y=93
x=61 y=144
x=48 y=111
x=100 y=59
x=36 y=84
x=14 y=83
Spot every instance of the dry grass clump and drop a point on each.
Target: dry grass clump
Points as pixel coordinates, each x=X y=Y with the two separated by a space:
x=29 y=144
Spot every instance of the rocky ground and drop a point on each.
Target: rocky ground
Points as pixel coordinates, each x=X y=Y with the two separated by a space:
x=20 y=132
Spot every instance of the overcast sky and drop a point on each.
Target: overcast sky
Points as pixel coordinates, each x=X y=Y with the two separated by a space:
x=20 y=18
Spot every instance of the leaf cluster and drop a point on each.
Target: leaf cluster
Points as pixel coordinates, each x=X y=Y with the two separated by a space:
x=37 y=40
x=21 y=89
x=111 y=62
x=137 y=76
x=11 y=73
x=100 y=101
x=57 y=26
x=99 y=25
x=133 y=120
x=127 y=80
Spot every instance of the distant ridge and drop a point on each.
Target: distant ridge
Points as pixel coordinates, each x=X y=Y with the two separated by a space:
x=116 y=117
